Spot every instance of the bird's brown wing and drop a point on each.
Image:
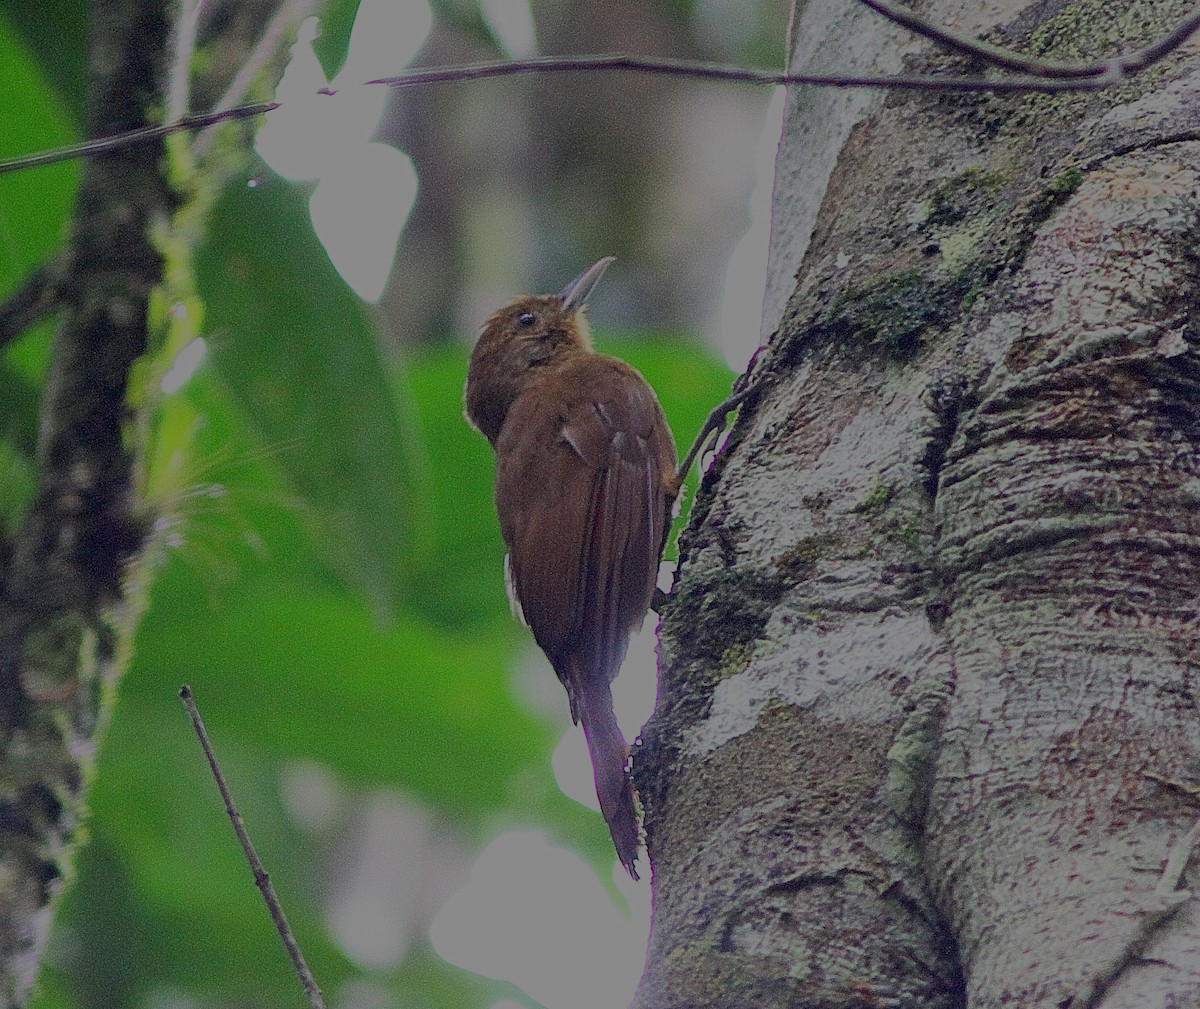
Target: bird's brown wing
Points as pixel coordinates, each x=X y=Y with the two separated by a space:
x=584 y=516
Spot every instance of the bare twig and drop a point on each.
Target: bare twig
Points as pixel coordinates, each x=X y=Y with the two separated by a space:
x=1177 y=862
x=36 y=297
x=1154 y=52
x=1093 y=76
x=261 y=879
x=1192 y=791
x=1107 y=70
x=131 y=138
x=1173 y=901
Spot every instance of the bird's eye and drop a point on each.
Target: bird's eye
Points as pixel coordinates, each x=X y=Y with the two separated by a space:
x=526 y=318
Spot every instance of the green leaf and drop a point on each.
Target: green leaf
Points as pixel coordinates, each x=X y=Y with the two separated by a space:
x=17 y=486
x=221 y=498
x=460 y=580
x=337 y=19
x=54 y=33
x=297 y=355
x=18 y=411
x=34 y=203
x=310 y=673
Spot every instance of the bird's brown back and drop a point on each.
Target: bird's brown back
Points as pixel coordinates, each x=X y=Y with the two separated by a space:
x=585 y=481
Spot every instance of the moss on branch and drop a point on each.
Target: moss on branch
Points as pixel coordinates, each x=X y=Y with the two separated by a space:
x=66 y=619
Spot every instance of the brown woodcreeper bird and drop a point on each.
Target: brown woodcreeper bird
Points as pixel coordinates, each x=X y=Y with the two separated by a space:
x=585 y=485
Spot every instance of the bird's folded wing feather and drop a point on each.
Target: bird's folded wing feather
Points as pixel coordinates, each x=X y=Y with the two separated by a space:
x=584 y=540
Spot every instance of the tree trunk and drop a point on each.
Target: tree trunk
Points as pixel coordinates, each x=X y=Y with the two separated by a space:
x=66 y=611
x=74 y=575
x=927 y=734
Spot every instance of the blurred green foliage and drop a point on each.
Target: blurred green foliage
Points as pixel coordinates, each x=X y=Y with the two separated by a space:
x=273 y=332
x=34 y=205
x=328 y=581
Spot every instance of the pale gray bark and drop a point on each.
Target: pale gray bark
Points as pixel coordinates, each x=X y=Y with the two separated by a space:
x=928 y=723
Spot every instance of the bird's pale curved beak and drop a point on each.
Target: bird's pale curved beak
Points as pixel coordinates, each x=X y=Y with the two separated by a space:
x=576 y=293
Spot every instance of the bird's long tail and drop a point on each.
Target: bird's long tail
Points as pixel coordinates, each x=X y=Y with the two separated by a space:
x=609 y=752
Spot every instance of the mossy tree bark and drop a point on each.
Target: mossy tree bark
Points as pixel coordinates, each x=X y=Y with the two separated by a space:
x=74 y=575
x=66 y=617
x=929 y=734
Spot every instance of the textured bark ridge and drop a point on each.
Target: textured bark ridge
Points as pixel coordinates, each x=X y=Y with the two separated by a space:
x=928 y=730
x=66 y=616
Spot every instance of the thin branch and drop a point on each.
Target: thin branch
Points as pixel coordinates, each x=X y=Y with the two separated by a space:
x=261 y=879
x=1154 y=52
x=1094 y=79
x=1179 y=856
x=1006 y=59
x=37 y=296
x=1149 y=927
x=131 y=138
x=994 y=55
x=1177 y=862
x=179 y=84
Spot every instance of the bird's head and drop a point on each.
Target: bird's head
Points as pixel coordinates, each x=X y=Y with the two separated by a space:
x=533 y=332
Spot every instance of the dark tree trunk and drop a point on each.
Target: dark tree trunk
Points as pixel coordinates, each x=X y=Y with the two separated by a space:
x=66 y=615
x=74 y=574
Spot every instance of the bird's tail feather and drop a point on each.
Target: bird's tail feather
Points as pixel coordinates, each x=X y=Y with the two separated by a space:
x=609 y=752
